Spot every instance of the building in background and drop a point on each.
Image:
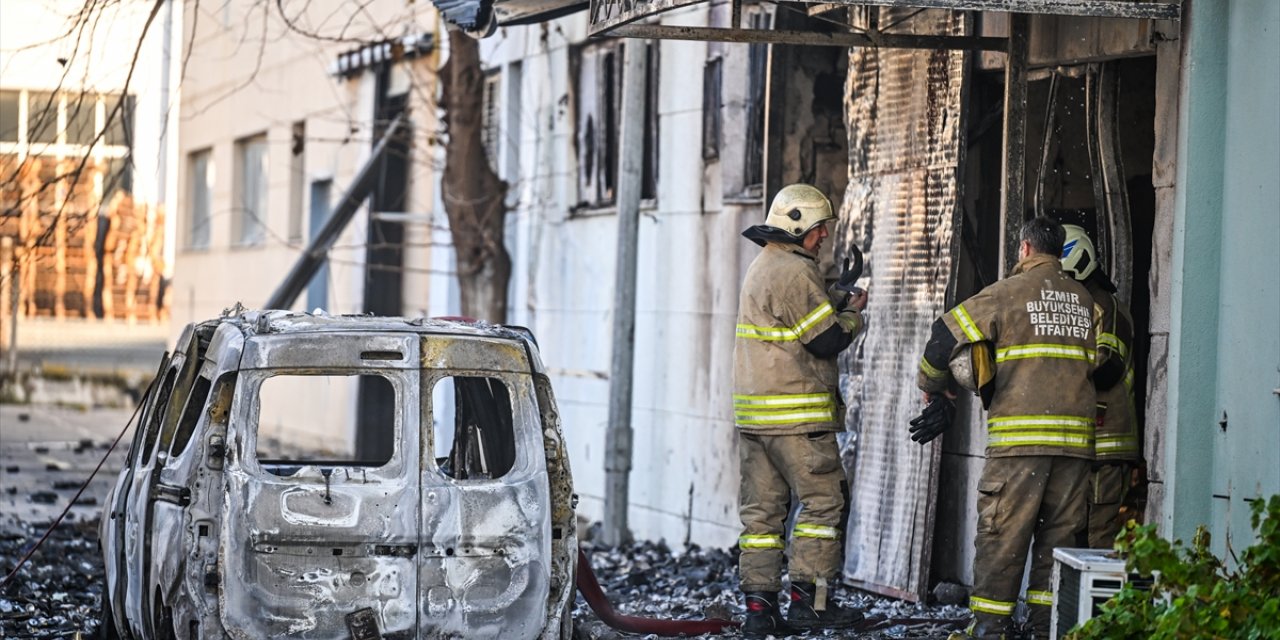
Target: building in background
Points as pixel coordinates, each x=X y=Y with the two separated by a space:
x=282 y=105
x=87 y=134
x=1155 y=133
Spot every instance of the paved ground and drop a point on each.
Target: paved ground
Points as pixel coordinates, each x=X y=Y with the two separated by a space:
x=46 y=453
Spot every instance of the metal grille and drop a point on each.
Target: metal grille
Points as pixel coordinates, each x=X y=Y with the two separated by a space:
x=903 y=112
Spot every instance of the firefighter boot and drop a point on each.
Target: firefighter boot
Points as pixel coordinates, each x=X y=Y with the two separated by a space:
x=811 y=608
x=763 y=617
x=985 y=626
x=1038 y=618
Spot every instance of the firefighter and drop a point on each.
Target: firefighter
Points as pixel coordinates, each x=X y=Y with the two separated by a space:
x=1116 y=448
x=1038 y=322
x=787 y=409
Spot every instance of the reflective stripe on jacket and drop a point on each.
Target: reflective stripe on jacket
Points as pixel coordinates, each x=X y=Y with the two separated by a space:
x=1041 y=323
x=1117 y=428
x=778 y=386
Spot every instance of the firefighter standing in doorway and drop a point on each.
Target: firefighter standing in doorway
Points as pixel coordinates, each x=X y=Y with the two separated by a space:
x=1038 y=323
x=1116 y=450
x=787 y=409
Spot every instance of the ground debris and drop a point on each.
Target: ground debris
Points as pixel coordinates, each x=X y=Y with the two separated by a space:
x=649 y=579
x=57 y=592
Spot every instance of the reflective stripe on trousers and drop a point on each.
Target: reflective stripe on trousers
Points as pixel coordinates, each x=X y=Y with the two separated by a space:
x=761 y=542
x=993 y=607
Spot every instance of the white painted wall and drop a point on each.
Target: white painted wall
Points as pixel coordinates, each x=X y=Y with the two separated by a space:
x=249 y=72
x=691 y=260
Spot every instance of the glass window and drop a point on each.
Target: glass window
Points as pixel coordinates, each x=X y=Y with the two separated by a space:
x=42 y=117
x=199 y=172
x=9 y=115
x=119 y=127
x=297 y=425
x=250 y=190
x=82 y=111
x=472 y=423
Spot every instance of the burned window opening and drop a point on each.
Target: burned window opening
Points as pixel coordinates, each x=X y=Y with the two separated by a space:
x=158 y=410
x=757 y=78
x=598 y=104
x=712 y=81
x=329 y=438
x=472 y=420
x=191 y=413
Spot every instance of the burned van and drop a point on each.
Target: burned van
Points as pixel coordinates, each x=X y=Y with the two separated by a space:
x=308 y=476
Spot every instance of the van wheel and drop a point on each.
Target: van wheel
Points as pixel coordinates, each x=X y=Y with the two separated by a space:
x=107 y=621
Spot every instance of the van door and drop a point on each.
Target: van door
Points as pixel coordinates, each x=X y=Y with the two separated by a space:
x=319 y=541
x=116 y=563
x=188 y=492
x=137 y=604
x=484 y=558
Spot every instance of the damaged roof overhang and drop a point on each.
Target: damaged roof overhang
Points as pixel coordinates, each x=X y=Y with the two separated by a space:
x=616 y=17
x=481 y=17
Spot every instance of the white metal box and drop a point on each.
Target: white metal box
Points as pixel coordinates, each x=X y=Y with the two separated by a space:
x=1083 y=579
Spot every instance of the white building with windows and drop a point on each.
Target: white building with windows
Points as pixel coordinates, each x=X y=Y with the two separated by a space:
x=280 y=111
x=281 y=108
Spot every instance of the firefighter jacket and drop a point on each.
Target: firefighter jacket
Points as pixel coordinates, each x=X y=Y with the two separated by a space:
x=1040 y=322
x=780 y=387
x=1117 y=427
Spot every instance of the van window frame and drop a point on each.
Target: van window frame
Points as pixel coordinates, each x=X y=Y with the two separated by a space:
x=248 y=390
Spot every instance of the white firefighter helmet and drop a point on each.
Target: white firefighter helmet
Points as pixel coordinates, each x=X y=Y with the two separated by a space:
x=798 y=208
x=1079 y=259
x=974 y=368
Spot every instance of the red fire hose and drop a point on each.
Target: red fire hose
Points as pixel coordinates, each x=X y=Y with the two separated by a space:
x=595 y=597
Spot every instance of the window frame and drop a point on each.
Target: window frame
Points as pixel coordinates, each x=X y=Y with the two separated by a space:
x=249 y=223
x=252 y=383
x=198 y=233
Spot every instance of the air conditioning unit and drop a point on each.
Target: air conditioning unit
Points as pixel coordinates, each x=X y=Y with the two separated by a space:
x=1083 y=579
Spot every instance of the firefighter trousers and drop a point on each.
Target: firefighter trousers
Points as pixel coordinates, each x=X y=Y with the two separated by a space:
x=1108 y=486
x=773 y=468
x=1035 y=502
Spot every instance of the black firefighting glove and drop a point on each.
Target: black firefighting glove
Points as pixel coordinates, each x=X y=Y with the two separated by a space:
x=936 y=418
x=844 y=286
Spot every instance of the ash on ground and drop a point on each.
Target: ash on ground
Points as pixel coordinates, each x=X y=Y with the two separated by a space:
x=57 y=593
x=649 y=579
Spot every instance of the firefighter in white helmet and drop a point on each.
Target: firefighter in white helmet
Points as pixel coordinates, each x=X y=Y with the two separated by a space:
x=787 y=409
x=1040 y=413
x=1117 y=449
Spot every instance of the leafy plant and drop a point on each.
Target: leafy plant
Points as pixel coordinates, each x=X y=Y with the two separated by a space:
x=1195 y=595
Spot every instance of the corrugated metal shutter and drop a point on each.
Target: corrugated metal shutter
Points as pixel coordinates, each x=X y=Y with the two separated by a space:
x=904 y=113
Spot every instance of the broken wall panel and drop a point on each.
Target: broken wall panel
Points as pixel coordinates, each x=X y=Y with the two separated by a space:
x=904 y=113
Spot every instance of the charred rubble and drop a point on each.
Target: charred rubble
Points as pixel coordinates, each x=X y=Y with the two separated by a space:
x=57 y=593
x=650 y=579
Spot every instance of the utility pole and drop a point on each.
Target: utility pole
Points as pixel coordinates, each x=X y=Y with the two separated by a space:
x=618 y=434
